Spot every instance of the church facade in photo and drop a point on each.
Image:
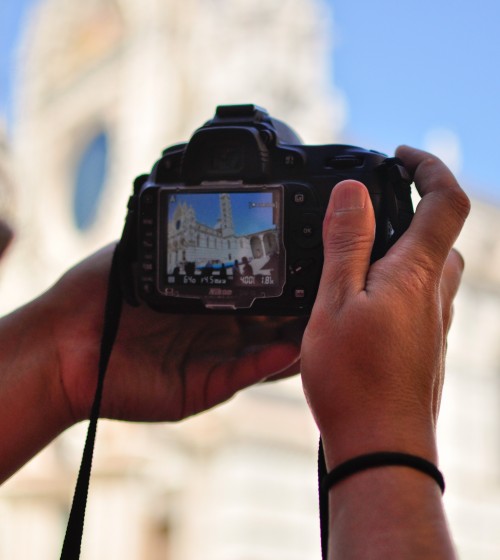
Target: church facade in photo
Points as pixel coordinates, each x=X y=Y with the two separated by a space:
x=218 y=247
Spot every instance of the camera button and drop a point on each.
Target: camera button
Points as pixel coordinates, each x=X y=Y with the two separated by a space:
x=299 y=293
x=292 y=159
x=307 y=232
x=301 y=266
x=299 y=197
x=147 y=287
x=344 y=162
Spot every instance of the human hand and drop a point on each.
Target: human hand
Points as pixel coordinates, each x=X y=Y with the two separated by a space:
x=163 y=367
x=374 y=348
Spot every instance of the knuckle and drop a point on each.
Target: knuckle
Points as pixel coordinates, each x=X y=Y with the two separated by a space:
x=428 y=163
x=346 y=243
x=422 y=274
x=460 y=203
x=430 y=168
x=435 y=171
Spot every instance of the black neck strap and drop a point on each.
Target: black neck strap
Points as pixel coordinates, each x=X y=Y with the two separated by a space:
x=74 y=530
x=324 y=519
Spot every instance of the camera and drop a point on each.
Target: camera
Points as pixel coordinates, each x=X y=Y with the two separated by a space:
x=231 y=222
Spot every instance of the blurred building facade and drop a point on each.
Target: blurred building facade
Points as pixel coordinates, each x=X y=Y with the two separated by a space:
x=104 y=86
x=469 y=426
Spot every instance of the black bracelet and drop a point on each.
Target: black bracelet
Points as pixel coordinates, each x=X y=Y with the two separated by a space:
x=381 y=459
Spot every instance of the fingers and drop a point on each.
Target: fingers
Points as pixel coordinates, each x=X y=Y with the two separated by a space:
x=5 y=237
x=228 y=378
x=289 y=371
x=441 y=213
x=348 y=234
x=257 y=330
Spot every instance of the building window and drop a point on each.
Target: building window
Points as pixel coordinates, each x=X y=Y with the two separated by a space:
x=90 y=180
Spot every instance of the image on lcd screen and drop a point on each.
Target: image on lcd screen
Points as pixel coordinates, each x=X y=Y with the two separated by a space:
x=223 y=239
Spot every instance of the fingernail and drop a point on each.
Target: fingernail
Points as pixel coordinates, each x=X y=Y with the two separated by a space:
x=349 y=196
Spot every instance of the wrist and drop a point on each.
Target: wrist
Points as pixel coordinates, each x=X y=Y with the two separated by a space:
x=400 y=511
x=31 y=329
x=413 y=435
x=378 y=460
x=77 y=329
x=33 y=405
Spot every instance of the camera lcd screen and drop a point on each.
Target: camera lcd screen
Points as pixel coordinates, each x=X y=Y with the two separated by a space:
x=225 y=245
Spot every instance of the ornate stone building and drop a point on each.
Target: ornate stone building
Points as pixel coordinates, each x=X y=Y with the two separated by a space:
x=469 y=426
x=7 y=204
x=104 y=86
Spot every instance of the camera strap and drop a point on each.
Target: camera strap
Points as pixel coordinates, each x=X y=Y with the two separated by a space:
x=74 y=530
x=324 y=518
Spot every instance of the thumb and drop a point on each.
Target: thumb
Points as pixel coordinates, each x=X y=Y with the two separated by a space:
x=348 y=234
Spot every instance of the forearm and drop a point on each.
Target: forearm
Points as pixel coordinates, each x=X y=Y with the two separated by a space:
x=388 y=512
x=33 y=406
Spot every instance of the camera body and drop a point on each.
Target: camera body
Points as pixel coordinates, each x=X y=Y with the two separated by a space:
x=231 y=222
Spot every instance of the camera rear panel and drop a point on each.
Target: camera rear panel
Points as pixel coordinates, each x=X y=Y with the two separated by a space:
x=231 y=222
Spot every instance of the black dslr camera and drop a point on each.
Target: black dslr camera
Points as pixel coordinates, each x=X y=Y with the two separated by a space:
x=231 y=222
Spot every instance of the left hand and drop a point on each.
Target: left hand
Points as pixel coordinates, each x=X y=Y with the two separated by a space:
x=163 y=367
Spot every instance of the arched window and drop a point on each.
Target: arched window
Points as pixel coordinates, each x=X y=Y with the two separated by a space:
x=90 y=180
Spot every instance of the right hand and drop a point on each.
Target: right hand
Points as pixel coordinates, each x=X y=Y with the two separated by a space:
x=374 y=348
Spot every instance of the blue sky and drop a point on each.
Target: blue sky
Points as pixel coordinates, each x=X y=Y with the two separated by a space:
x=406 y=68
x=12 y=15
x=247 y=217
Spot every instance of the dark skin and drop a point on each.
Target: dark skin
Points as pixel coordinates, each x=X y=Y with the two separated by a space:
x=164 y=367
x=372 y=362
x=384 y=326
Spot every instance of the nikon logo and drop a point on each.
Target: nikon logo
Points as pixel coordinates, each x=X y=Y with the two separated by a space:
x=220 y=292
